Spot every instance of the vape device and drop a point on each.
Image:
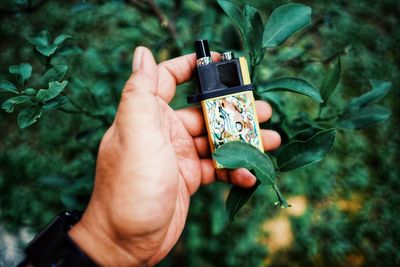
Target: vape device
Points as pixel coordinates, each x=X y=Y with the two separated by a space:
x=226 y=95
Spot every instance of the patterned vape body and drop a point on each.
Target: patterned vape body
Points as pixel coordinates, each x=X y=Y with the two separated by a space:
x=226 y=96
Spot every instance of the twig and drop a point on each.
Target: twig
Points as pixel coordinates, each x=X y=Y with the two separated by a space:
x=313 y=27
x=328 y=59
x=83 y=111
x=328 y=117
x=300 y=62
x=163 y=19
x=138 y=4
x=69 y=111
x=92 y=97
x=150 y=6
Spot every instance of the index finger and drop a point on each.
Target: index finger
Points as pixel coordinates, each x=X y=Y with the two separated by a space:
x=176 y=71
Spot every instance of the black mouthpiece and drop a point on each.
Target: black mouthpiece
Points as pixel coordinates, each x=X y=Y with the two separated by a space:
x=215 y=79
x=201 y=48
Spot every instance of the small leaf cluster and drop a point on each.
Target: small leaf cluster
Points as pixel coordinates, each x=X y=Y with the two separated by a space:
x=31 y=102
x=307 y=139
x=44 y=45
x=48 y=94
x=257 y=37
x=361 y=112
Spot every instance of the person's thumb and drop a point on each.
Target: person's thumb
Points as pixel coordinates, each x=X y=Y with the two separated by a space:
x=144 y=72
x=139 y=107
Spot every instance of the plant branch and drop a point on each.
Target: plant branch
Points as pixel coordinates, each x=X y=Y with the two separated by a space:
x=328 y=117
x=170 y=26
x=93 y=97
x=298 y=61
x=330 y=58
x=138 y=4
x=320 y=111
x=83 y=111
x=252 y=68
x=313 y=27
x=150 y=6
x=69 y=111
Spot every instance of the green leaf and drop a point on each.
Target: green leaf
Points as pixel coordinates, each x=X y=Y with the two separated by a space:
x=42 y=39
x=55 y=88
x=285 y=21
x=237 y=198
x=249 y=23
x=379 y=90
x=30 y=91
x=318 y=124
x=29 y=116
x=55 y=103
x=56 y=73
x=23 y=71
x=7 y=86
x=306 y=134
x=61 y=38
x=254 y=37
x=10 y=103
x=300 y=153
x=236 y=154
x=235 y=14
x=46 y=50
x=68 y=51
x=291 y=84
x=364 y=118
x=330 y=81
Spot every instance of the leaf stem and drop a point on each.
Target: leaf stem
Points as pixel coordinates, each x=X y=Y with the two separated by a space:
x=253 y=66
x=321 y=106
x=69 y=111
x=92 y=97
x=281 y=199
x=256 y=57
x=48 y=63
x=83 y=111
x=319 y=118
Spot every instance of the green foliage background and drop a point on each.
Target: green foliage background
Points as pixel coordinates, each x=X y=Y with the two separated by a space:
x=350 y=198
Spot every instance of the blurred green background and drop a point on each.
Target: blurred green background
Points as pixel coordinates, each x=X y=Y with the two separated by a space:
x=344 y=209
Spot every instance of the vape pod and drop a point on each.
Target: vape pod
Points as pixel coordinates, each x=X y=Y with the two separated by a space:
x=226 y=96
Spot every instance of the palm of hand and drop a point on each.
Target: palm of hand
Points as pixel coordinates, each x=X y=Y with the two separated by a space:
x=155 y=188
x=157 y=168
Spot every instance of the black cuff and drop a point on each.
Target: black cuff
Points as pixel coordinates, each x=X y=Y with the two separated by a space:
x=53 y=246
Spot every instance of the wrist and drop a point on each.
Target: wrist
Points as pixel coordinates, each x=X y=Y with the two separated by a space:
x=53 y=247
x=98 y=245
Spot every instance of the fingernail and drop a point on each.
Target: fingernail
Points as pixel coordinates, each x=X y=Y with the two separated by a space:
x=137 y=59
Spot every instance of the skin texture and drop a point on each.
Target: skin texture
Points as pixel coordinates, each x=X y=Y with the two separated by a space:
x=150 y=161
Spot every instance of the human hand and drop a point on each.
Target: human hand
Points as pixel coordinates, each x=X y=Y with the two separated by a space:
x=150 y=161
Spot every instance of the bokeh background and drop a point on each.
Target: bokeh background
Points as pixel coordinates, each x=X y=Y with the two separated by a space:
x=345 y=209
